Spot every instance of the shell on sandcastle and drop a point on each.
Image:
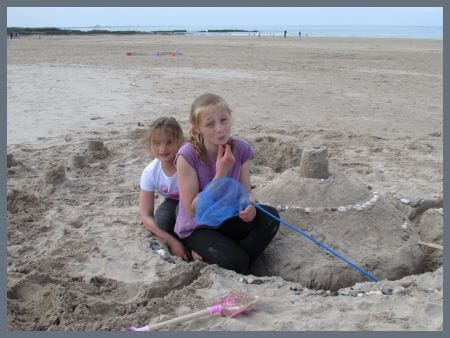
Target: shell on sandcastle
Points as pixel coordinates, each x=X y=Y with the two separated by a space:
x=345 y=215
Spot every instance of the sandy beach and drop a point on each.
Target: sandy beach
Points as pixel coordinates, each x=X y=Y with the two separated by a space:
x=78 y=109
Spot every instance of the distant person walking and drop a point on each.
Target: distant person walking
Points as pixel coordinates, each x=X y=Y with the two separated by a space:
x=285 y=32
x=299 y=33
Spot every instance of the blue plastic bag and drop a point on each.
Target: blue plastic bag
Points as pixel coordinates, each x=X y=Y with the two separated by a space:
x=221 y=199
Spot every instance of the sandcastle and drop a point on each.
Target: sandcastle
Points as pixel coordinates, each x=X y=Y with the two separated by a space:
x=344 y=214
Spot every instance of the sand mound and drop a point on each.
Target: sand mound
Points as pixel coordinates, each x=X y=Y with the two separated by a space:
x=431 y=230
x=346 y=216
x=289 y=188
x=25 y=209
x=18 y=201
x=96 y=150
x=10 y=161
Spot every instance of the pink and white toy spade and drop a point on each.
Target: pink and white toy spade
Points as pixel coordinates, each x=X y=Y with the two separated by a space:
x=231 y=305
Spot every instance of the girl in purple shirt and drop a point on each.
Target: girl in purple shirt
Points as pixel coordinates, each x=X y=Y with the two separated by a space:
x=211 y=153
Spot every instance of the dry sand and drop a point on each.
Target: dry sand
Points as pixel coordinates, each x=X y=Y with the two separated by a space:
x=78 y=256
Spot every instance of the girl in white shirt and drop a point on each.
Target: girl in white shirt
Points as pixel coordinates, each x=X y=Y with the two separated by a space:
x=164 y=138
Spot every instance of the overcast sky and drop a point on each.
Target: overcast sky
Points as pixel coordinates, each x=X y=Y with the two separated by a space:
x=221 y=16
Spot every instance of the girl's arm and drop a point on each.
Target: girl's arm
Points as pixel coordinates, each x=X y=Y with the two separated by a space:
x=146 y=211
x=187 y=184
x=249 y=213
x=244 y=177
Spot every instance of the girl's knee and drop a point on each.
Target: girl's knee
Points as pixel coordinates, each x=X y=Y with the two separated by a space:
x=165 y=219
x=270 y=223
x=271 y=210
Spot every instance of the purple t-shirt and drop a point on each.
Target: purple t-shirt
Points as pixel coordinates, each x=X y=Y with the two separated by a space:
x=242 y=151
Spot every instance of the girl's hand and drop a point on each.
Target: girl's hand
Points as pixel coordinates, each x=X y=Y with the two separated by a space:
x=248 y=214
x=177 y=249
x=196 y=257
x=225 y=160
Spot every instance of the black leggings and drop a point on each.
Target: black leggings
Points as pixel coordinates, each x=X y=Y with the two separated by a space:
x=166 y=215
x=236 y=244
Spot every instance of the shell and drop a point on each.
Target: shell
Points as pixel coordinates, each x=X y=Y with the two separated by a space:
x=405 y=201
x=161 y=252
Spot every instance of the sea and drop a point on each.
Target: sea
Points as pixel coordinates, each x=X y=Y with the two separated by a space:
x=410 y=32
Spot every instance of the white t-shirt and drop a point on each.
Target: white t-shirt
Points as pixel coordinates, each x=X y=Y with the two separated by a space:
x=153 y=178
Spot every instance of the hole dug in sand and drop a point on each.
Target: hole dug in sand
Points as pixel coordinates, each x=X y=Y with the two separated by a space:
x=343 y=214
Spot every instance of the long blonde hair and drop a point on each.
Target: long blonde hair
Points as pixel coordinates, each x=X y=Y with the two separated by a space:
x=199 y=104
x=166 y=124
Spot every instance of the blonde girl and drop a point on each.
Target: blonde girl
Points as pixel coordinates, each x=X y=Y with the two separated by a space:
x=212 y=153
x=164 y=138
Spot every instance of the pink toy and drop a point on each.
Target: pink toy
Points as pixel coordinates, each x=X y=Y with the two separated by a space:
x=231 y=305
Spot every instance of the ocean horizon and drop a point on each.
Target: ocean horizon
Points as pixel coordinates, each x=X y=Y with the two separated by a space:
x=411 y=32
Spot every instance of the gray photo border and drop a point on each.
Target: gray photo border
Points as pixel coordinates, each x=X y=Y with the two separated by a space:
x=220 y=3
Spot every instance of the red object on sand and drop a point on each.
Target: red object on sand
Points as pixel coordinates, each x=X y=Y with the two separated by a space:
x=130 y=53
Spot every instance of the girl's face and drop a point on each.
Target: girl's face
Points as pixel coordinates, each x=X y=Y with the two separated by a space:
x=215 y=125
x=164 y=146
